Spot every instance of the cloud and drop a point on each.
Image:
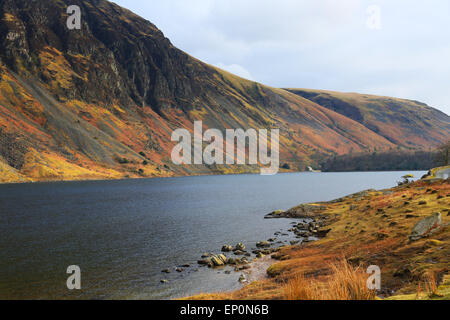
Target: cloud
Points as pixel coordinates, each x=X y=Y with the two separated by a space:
x=323 y=44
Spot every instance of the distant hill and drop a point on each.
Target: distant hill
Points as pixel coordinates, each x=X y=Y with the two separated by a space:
x=101 y=102
x=406 y=123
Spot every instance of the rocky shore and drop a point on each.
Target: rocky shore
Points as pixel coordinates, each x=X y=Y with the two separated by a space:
x=249 y=261
x=403 y=230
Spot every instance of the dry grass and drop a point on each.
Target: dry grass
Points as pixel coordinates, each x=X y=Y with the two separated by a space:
x=431 y=285
x=316 y=271
x=345 y=283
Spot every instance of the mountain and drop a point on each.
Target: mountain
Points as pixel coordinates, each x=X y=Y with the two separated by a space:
x=102 y=102
x=406 y=123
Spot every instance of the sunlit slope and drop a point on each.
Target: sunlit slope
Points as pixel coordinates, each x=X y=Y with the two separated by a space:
x=410 y=124
x=102 y=102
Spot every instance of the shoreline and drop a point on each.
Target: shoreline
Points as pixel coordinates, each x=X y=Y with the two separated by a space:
x=372 y=227
x=44 y=181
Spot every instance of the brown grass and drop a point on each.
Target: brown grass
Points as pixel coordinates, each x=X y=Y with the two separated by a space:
x=315 y=270
x=345 y=283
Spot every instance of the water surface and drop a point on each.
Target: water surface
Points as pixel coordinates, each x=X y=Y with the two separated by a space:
x=123 y=233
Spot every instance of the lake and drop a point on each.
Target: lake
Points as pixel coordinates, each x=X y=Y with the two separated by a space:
x=123 y=233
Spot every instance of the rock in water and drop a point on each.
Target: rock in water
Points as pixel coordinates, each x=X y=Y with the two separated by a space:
x=205 y=262
x=426 y=227
x=240 y=247
x=219 y=260
x=263 y=244
x=275 y=214
x=227 y=248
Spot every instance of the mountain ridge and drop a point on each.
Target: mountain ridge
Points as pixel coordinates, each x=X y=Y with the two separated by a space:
x=101 y=102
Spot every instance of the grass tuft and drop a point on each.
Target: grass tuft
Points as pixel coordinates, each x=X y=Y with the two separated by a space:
x=345 y=283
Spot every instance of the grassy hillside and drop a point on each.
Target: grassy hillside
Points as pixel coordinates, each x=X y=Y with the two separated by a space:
x=408 y=124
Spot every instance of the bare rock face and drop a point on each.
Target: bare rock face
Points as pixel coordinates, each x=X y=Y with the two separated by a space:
x=426 y=227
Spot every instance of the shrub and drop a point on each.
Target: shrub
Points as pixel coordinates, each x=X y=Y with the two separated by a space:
x=345 y=283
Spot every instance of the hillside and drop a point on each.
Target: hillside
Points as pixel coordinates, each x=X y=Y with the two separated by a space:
x=102 y=102
x=406 y=123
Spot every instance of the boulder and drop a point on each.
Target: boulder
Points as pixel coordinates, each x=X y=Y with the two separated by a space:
x=239 y=247
x=275 y=214
x=302 y=226
x=426 y=227
x=322 y=233
x=227 y=248
x=205 y=262
x=305 y=211
x=219 y=260
x=263 y=244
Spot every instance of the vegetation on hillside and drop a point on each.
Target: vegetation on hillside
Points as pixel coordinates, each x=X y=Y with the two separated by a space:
x=381 y=161
x=117 y=88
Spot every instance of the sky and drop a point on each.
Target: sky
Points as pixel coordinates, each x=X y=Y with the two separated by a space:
x=397 y=48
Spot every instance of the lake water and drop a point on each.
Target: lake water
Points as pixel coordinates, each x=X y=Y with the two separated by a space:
x=123 y=233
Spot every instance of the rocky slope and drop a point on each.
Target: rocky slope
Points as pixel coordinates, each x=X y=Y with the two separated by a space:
x=101 y=102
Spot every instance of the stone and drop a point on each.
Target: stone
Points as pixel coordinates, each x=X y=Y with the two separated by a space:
x=263 y=244
x=322 y=233
x=227 y=248
x=240 y=247
x=426 y=227
x=244 y=260
x=205 y=262
x=219 y=260
x=166 y=271
x=275 y=214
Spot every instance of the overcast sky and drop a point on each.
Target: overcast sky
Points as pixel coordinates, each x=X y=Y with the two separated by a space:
x=397 y=48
